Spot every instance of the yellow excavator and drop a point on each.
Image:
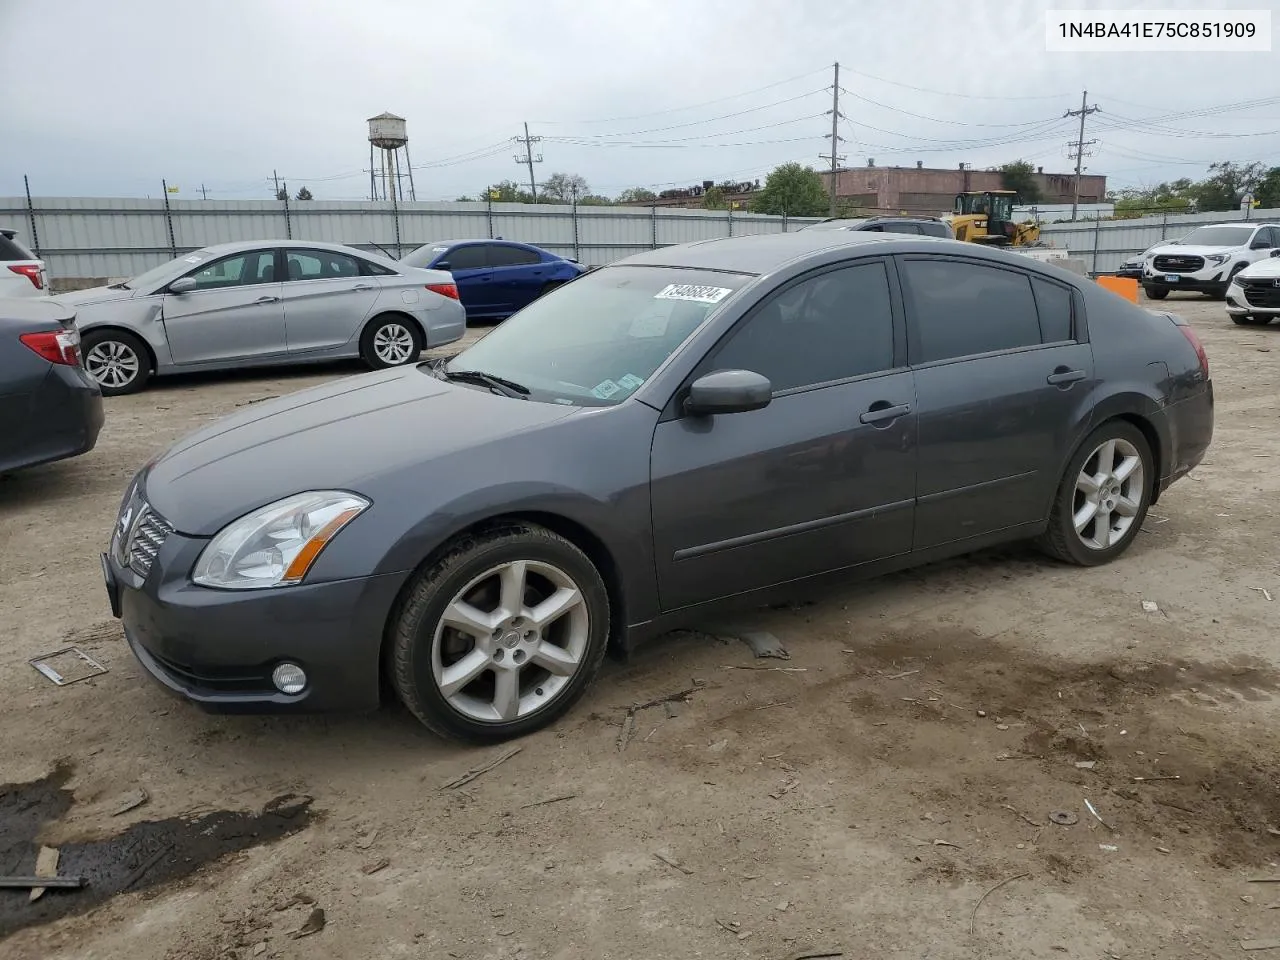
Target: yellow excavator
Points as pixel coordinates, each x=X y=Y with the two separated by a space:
x=987 y=217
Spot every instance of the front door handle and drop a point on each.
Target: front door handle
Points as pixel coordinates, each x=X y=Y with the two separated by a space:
x=882 y=412
x=1064 y=377
x=267 y=300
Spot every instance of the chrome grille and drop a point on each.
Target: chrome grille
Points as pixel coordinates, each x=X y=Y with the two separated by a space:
x=146 y=536
x=1175 y=263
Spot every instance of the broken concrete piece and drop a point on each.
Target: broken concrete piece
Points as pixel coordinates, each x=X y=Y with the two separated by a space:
x=131 y=801
x=46 y=866
x=764 y=644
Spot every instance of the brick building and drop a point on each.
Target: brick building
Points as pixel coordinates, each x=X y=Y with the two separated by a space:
x=891 y=190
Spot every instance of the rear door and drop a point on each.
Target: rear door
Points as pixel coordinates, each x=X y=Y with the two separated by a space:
x=823 y=477
x=1003 y=371
x=235 y=311
x=327 y=298
x=469 y=264
x=518 y=275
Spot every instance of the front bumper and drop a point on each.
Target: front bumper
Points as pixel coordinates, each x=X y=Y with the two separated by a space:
x=218 y=648
x=1238 y=304
x=1209 y=280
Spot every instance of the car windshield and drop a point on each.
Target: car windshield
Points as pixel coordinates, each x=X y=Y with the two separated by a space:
x=1218 y=237
x=596 y=340
x=426 y=253
x=153 y=276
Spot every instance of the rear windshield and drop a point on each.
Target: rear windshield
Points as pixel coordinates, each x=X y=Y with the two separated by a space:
x=11 y=249
x=426 y=253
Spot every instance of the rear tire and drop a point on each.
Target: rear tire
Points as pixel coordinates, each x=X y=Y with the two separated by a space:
x=1103 y=497
x=390 y=340
x=501 y=635
x=1155 y=293
x=117 y=361
x=1249 y=320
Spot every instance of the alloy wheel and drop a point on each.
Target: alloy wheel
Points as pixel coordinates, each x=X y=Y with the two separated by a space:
x=112 y=364
x=510 y=641
x=393 y=344
x=1109 y=494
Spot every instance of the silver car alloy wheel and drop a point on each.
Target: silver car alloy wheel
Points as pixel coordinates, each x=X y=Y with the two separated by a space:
x=510 y=641
x=112 y=364
x=1109 y=494
x=393 y=344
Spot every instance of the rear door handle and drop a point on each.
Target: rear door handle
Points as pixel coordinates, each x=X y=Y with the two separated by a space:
x=882 y=412
x=267 y=300
x=1064 y=376
x=362 y=286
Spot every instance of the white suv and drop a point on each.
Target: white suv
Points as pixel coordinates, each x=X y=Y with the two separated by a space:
x=1207 y=258
x=1253 y=299
x=21 y=274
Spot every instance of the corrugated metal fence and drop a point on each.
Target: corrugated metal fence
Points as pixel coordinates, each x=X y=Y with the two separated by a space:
x=86 y=237
x=96 y=238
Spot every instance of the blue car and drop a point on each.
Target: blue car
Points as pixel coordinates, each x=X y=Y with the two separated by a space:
x=496 y=278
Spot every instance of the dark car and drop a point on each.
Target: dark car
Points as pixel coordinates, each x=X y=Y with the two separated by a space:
x=50 y=409
x=924 y=226
x=1130 y=269
x=712 y=422
x=496 y=278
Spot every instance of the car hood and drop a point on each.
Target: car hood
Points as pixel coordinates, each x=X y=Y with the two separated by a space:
x=1190 y=250
x=342 y=435
x=77 y=298
x=1269 y=267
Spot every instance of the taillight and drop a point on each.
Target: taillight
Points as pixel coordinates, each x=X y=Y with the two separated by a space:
x=56 y=346
x=31 y=272
x=1198 y=347
x=449 y=290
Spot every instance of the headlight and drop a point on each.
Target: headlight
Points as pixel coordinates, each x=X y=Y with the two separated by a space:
x=1218 y=257
x=276 y=545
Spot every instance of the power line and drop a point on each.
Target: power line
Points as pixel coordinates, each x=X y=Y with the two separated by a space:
x=600 y=142
x=949 y=93
x=921 y=116
x=698 y=123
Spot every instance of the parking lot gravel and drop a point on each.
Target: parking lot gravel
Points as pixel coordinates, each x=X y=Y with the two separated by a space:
x=887 y=791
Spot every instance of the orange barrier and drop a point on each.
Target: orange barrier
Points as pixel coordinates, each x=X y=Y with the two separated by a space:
x=1126 y=287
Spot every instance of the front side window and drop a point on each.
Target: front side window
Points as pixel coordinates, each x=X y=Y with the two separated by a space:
x=244 y=269
x=595 y=341
x=961 y=308
x=830 y=327
x=320 y=265
x=467 y=258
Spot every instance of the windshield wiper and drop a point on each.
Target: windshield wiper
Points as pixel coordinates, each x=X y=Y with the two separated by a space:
x=504 y=386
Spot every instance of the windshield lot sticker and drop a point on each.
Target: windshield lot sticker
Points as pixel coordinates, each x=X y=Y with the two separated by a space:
x=689 y=291
x=192 y=259
x=630 y=381
x=605 y=390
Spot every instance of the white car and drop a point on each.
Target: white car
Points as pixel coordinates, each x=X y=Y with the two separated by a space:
x=1207 y=258
x=1253 y=299
x=21 y=274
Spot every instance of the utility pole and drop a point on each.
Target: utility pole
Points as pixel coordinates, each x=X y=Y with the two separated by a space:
x=1083 y=112
x=529 y=159
x=276 y=177
x=204 y=194
x=834 y=156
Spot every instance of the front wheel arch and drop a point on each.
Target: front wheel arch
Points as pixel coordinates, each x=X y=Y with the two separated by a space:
x=398 y=315
x=115 y=328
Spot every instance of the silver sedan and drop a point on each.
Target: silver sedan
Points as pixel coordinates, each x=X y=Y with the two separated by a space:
x=262 y=303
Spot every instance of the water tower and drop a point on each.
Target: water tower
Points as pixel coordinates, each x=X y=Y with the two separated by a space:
x=387 y=135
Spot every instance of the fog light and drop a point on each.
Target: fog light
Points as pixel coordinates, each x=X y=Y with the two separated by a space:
x=289 y=678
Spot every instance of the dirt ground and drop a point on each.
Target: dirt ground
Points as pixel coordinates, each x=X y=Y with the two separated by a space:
x=886 y=792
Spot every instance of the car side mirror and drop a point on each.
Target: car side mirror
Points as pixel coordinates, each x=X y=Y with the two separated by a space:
x=728 y=391
x=442 y=265
x=183 y=285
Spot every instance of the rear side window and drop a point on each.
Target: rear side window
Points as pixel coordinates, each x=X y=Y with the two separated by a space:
x=930 y=229
x=368 y=269
x=961 y=308
x=11 y=249
x=1054 y=306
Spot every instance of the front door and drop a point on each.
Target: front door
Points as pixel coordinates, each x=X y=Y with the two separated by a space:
x=326 y=300
x=1003 y=371
x=234 y=312
x=821 y=479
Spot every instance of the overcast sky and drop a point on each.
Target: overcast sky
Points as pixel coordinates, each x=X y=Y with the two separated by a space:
x=106 y=98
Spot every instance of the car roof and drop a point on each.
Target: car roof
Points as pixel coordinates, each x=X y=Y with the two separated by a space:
x=454 y=243
x=221 y=249
x=764 y=253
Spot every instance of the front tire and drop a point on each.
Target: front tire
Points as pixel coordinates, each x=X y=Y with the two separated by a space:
x=390 y=341
x=117 y=361
x=1251 y=320
x=1103 y=497
x=501 y=636
x=1155 y=293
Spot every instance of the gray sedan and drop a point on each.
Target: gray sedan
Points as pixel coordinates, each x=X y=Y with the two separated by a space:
x=720 y=421
x=260 y=303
